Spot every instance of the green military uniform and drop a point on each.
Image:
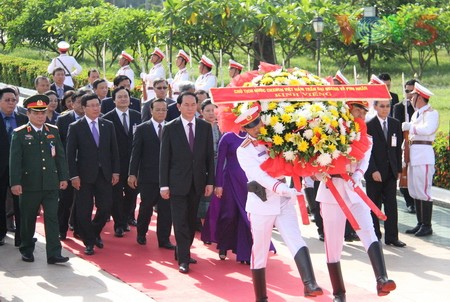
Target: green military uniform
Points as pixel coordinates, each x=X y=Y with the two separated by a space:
x=38 y=164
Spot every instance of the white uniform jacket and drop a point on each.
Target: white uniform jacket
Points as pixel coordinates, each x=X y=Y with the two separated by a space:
x=181 y=76
x=424 y=124
x=70 y=63
x=343 y=187
x=206 y=82
x=250 y=158
x=127 y=71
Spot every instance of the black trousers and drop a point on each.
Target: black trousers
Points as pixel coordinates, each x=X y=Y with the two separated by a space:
x=124 y=201
x=65 y=206
x=101 y=189
x=4 y=186
x=150 y=196
x=184 y=215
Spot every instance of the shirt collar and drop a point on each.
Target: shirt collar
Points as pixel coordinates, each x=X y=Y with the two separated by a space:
x=121 y=112
x=186 y=122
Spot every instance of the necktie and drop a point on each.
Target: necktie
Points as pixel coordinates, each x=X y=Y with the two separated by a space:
x=9 y=128
x=159 y=131
x=124 y=122
x=95 y=133
x=191 y=137
x=385 y=130
x=60 y=93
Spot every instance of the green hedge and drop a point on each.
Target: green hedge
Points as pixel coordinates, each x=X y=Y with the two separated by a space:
x=442 y=151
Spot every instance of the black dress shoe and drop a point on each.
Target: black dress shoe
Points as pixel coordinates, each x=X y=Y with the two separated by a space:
x=183 y=268
x=222 y=254
x=89 y=250
x=396 y=243
x=118 y=232
x=192 y=261
x=132 y=222
x=414 y=229
x=141 y=240
x=126 y=228
x=411 y=210
x=2 y=241
x=167 y=245
x=62 y=236
x=57 y=259
x=28 y=257
x=424 y=231
x=99 y=242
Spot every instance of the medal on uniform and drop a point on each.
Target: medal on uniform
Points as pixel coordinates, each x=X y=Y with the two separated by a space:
x=52 y=150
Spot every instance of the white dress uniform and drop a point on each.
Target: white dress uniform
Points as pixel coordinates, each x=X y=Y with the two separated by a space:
x=181 y=76
x=333 y=216
x=206 y=81
x=276 y=210
x=127 y=71
x=424 y=124
x=157 y=71
x=70 y=63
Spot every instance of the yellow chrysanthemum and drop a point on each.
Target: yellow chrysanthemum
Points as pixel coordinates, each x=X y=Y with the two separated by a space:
x=324 y=137
x=277 y=140
x=314 y=140
x=289 y=109
x=272 y=105
x=288 y=136
x=334 y=112
x=280 y=79
x=263 y=131
x=332 y=103
x=357 y=128
x=326 y=120
x=294 y=82
x=345 y=117
x=284 y=74
x=343 y=139
x=286 y=118
x=273 y=120
x=301 y=122
x=302 y=146
x=315 y=108
x=317 y=130
x=266 y=81
x=334 y=124
x=331 y=148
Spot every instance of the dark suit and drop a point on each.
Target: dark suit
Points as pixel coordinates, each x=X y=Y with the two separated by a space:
x=94 y=166
x=108 y=105
x=172 y=112
x=186 y=173
x=386 y=159
x=4 y=176
x=394 y=101
x=66 y=196
x=145 y=113
x=144 y=164
x=124 y=197
x=65 y=88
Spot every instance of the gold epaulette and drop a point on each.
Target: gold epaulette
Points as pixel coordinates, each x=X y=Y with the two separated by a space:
x=246 y=142
x=20 y=128
x=51 y=125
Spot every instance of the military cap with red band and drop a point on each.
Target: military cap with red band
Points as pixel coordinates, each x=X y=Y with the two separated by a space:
x=422 y=91
x=249 y=118
x=38 y=102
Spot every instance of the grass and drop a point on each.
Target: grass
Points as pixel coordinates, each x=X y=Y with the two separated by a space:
x=436 y=77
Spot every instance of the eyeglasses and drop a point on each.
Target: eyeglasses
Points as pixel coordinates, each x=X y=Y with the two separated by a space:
x=384 y=106
x=408 y=91
x=161 y=88
x=10 y=100
x=93 y=106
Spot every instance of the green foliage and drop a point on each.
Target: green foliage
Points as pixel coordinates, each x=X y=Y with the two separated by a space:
x=19 y=71
x=442 y=151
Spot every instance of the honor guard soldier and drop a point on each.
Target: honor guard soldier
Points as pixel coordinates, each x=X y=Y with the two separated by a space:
x=234 y=68
x=422 y=132
x=206 y=80
x=270 y=202
x=125 y=68
x=157 y=71
x=182 y=75
x=68 y=63
x=38 y=169
x=340 y=79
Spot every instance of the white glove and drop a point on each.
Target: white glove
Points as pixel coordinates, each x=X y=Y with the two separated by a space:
x=142 y=75
x=406 y=126
x=357 y=176
x=290 y=192
x=403 y=164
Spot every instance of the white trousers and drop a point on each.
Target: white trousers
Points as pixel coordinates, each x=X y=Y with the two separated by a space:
x=261 y=226
x=420 y=179
x=334 y=227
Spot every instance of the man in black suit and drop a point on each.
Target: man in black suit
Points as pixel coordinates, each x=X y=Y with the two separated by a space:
x=120 y=81
x=399 y=114
x=160 y=87
x=9 y=121
x=94 y=167
x=58 y=86
x=125 y=121
x=172 y=110
x=385 y=166
x=144 y=174
x=186 y=172
x=386 y=78
x=66 y=196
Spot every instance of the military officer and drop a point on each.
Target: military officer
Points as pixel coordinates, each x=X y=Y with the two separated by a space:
x=157 y=71
x=182 y=75
x=234 y=68
x=38 y=169
x=206 y=80
x=125 y=68
x=68 y=63
x=275 y=208
x=422 y=132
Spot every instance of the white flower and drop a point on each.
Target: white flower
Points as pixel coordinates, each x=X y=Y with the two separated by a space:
x=289 y=155
x=308 y=134
x=278 y=128
x=280 y=110
x=335 y=154
x=324 y=159
x=265 y=118
x=314 y=123
x=264 y=106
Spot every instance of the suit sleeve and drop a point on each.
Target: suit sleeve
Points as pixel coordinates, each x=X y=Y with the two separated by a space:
x=164 y=157
x=71 y=150
x=15 y=160
x=145 y=113
x=371 y=166
x=61 y=162
x=136 y=152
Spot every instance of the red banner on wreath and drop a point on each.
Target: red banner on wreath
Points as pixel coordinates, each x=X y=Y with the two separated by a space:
x=305 y=93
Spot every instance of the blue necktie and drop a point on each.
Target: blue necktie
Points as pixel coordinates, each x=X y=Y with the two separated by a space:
x=95 y=133
x=9 y=128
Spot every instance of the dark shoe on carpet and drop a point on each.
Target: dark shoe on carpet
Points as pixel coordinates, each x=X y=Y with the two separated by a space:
x=34 y=240
x=396 y=243
x=183 y=268
x=192 y=261
x=424 y=231
x=246 y=262
x=411 y=210
x=28 y=257
x=167 y=245
x=62 y=236
x=132 y=222
x=222 y=254
x=126 y=228
x=89 y=250
x=57 y=259
x=2 y=241
x=99 y=242
x=141 y=240
x=118 y=232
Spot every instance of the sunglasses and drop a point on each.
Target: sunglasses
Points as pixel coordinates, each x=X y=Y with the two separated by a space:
x=161 y=88
x=384 y=106
x=408 y=91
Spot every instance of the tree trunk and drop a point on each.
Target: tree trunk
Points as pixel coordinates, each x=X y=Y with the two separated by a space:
x=264 y=49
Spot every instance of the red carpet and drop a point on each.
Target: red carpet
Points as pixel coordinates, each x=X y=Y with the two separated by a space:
x=154 y=271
